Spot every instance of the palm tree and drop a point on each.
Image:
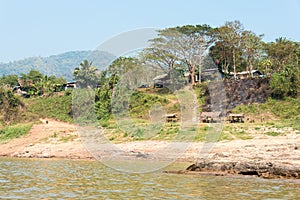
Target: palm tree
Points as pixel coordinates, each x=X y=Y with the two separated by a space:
x=86 y=75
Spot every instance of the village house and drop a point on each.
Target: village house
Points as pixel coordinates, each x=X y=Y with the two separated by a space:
x=70 y=85
x=246 y=74
x=206 y=74
x=161 y=80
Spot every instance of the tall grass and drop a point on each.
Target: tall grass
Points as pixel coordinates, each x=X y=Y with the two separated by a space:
x=57 y=107
x=15 y=131
x=284 y=112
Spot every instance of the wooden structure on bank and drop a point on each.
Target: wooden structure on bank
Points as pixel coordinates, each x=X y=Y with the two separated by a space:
x=161 y=80
x=209 y=117
x=171 y=117
x=233 y=118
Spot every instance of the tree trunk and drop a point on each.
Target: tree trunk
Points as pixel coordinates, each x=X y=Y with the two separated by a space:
x=199 y=72
x=234 y=66
x=250 y=68
x=192 y=72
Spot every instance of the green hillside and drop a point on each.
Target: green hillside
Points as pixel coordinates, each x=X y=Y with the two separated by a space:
x=58 y=65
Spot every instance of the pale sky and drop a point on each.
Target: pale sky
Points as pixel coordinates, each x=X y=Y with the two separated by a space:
x=49 y=27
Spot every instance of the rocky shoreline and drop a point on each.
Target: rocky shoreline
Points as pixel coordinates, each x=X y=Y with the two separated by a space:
x=267 y=170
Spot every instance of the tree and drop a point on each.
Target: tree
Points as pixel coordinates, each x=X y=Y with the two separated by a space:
x=122 y=65
x=107 y=81
x=9 y=105
x=222 y=56
x=30 y=82
x=48 y=84
x=183 y=46
x=36 y=83
x=159 y=57
x=251 y=48
x=103 y=95
x=286 y=83
x=130 y=71
x=229 y=41
x=285 y=69
x=265 y=66
x=32 y=77
x=9 y=80
x=86 y=75
x=194 y=42
x=282 y=52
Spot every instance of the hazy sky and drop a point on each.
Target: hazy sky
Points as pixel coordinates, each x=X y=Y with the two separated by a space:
x=48 y=27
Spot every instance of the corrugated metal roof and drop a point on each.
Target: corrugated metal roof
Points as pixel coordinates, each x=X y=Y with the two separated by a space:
x=160 y=77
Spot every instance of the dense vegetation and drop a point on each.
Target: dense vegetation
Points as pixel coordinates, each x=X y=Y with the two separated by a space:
x=10 y=106
x=58 y=107
x=35 y=83
x=31 y=96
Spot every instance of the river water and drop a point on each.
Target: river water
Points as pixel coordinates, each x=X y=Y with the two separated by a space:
x=69 y=179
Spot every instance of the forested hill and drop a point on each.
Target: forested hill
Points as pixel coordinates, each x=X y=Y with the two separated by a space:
x=58 y=65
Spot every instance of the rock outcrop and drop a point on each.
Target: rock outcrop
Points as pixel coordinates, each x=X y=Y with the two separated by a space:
x=227 y=94
x=261 y=169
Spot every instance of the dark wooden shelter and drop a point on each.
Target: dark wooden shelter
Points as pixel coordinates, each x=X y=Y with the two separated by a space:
x=233 y=118
x=208 y=117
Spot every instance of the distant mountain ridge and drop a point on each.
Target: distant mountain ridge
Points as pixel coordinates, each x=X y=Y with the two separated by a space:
x=59 y=65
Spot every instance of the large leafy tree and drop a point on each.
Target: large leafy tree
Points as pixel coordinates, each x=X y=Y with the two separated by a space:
x=30 y=82
x=47 y=84
x=284 y=55
x=282 y=52
x=228 y=46
x=251 y=49
x=31 y=77
x=182 y=46
x=103 y=94
x=131 y=71
x=108 y=79
x=236 y=49
x=9 y=80
x=122 y=65
x=158 y=56
x=36 y=83
x=286 y=82
x=195 y=41
x=9 y=105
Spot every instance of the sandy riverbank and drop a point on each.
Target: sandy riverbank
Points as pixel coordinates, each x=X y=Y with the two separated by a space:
x=60 y=140
x=53 y=140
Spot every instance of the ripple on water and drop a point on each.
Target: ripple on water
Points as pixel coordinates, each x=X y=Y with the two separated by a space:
x=60 y=179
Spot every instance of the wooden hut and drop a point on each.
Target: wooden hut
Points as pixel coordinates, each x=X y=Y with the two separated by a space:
x=233 y=118
x=209 y=117
x=171 y=117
